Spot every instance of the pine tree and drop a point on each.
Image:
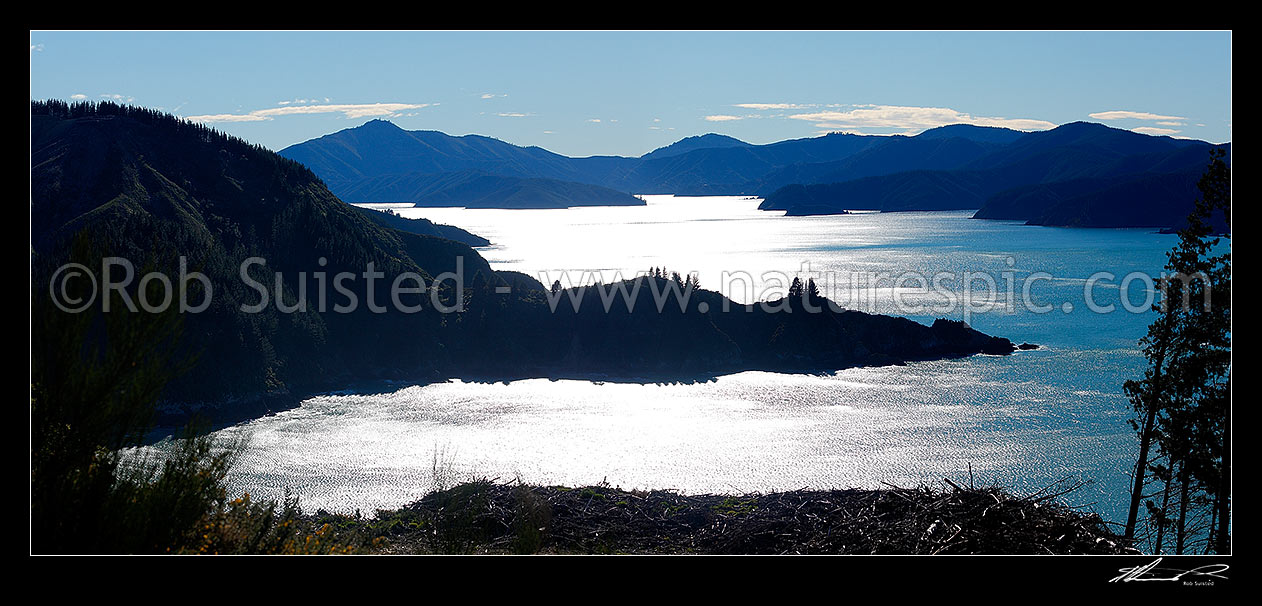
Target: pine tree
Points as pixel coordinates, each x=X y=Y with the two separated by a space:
x=1183 y=401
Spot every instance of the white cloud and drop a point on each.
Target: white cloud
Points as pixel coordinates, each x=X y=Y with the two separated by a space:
x=596 y=120
x=770 y=106
x=228 y=118
x=1129 y=115
x=78 y=96
x=37 y=48
x=361 y=110
x=910 y=120
x=1156 y=132
x=119 y=98
x=721 y=118
x=512 y=115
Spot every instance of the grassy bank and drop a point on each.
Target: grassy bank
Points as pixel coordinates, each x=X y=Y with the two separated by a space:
x=485 y=517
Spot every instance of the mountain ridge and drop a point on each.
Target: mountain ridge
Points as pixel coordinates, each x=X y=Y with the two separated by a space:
x=1123 y=179
x=952 y=167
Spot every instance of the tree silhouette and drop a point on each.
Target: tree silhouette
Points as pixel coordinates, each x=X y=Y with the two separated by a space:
x=1183 y=401
x=795 y=289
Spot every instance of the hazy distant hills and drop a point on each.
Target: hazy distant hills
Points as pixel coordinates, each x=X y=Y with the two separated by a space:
x=1116 y=177
x=1079 y=174
x=978 y=134
x=380 y=148
x=380 y=162
x=687 y=144
x=893 y=155
x=904 y=191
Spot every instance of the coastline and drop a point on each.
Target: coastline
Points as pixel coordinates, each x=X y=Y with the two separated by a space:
x=226 y=412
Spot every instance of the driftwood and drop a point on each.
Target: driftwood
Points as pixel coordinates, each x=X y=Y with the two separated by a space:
x=492 y=517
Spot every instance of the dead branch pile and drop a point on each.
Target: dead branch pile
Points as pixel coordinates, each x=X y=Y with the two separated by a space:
x=491 y=517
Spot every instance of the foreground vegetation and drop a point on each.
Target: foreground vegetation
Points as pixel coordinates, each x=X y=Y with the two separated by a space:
x=1182 y=404
x=486 y=517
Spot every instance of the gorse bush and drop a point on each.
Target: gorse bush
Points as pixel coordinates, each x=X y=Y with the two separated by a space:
x=532 y=515
x=95 y=380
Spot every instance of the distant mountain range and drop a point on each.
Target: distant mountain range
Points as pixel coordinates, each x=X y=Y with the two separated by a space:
x=1080 y=174
x=380 y=162
x=687 y=144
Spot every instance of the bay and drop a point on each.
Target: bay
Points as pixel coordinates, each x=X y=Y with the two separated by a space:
x=1025 y=421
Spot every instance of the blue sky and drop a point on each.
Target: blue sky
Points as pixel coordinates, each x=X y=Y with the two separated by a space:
x=627 y=93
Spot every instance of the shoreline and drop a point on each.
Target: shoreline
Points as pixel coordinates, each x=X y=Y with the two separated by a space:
x=220 y=414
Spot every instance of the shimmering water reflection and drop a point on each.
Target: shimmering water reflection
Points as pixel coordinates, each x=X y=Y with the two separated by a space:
x=1024 y=421
x=752 y=431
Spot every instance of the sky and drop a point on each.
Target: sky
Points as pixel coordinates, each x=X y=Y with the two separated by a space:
x=626 y=93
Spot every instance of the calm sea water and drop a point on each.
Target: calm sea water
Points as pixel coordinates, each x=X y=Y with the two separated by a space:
x=1024 y=421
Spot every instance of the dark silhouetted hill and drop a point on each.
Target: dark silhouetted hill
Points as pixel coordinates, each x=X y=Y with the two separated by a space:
x=894 y=155
x=150 y=188
x=1117 y=178
x=953 y=167
x=423 y=227
x=379 y=161
x=687 y=144
x=977 y=134
x=917 y=190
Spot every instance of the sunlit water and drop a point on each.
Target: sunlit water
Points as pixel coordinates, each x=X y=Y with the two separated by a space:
x=1024 y=421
